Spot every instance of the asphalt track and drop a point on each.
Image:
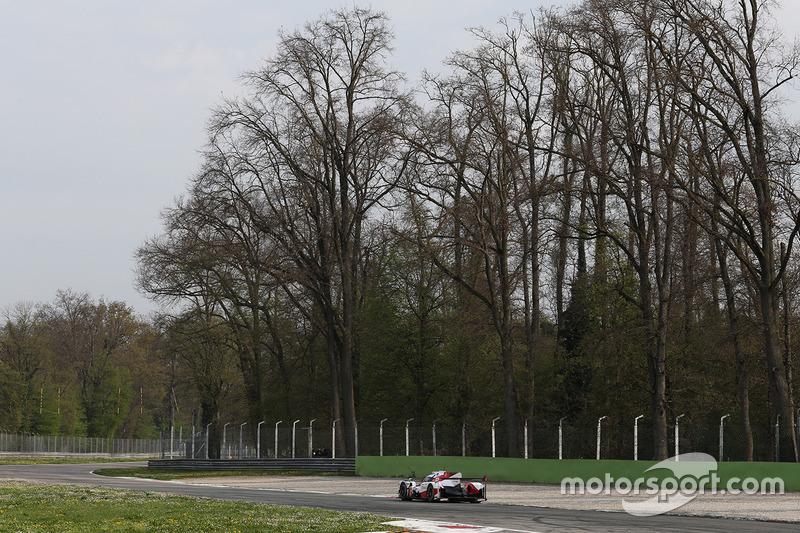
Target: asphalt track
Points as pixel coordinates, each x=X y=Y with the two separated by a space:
x=511 y=518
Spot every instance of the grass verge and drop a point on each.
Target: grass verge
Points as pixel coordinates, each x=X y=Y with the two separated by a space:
x=38 y=507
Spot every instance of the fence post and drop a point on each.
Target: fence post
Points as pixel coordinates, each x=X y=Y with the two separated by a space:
x=434 y=436
x=407 y=421
x=721 y=435
x=560 y=437
x=599 y=428
x=333 y=439
x=636 y=437
x=464 y=438
x=678 y=436
x=311 y=438
x=258 y=439
x=355 y=437
x=778 y=438
x=380 y=436
x=241 y=441
x=294 y=430
x=797 y=426
x=493 y=435
x=276 y=438
x=525 y=437
x=208 y=428
x=224 y=452
x=294 y=434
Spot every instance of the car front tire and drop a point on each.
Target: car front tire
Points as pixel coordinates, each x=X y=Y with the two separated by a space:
x=402 y=492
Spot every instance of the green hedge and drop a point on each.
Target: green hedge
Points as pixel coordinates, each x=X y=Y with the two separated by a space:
x=554 y=470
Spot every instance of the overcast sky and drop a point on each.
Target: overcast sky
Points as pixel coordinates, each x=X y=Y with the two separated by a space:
x=102 y=111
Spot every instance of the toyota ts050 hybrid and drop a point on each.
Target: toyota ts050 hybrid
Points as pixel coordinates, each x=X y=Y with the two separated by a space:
x=441 y=485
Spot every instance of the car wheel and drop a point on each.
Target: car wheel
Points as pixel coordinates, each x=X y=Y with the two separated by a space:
x=429 y=493
x=402 y=492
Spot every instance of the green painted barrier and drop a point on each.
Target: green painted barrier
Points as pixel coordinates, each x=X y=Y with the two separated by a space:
x=553 y=471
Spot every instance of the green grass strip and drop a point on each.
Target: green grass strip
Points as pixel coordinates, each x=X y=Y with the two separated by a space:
x=553 y=471
x=39 y=507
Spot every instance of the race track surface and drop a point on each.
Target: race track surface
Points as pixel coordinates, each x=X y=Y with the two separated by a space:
x=512 y=518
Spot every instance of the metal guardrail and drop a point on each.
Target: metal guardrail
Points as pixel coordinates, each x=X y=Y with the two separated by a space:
x=345 y=465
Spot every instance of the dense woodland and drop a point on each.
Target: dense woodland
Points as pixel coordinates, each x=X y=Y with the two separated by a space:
x=592 y=211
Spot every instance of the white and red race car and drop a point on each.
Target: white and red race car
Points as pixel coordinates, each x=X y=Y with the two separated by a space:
x=442 y=485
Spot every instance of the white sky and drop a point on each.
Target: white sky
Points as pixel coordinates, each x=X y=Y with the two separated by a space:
x=103 y=105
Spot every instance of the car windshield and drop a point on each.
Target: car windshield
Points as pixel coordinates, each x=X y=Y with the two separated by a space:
x=429 y=477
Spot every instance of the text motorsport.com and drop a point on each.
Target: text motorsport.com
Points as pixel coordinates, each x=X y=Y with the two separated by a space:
x=691 y=474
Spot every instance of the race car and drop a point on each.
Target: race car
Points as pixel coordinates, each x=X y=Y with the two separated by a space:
x=442 y=485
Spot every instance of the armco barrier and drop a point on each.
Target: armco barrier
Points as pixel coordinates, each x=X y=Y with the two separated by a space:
x=553 y=471
x=301 y=465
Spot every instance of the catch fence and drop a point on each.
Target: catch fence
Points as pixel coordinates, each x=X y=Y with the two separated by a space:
x=724 y=442
x=63 y=445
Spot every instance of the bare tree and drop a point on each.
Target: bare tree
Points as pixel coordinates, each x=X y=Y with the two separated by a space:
x=640 y=126
x=732 y=70
x=201 y=342
x=486 y=171
x=213 y=259
x=316 y=140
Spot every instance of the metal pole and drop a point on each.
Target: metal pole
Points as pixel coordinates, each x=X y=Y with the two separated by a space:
x=311 y=438
x=192 y=447
x=380 y=435
x=171 y=439
x=721 y=435
x=678 y=436
x=258 y=439
x=276 y=438
x=333 y=439
x=560 y=437
x=636 y=437
x=797 y=426
x=464 y=438
x=778 y=438
x=493 y=435
x=241 y=440
x=525 y=437
x=355 y=437
x=207 y=440
x=224 y=450
x=407 y=421
x=599 y=428
x=434 y=436
x=294 y=429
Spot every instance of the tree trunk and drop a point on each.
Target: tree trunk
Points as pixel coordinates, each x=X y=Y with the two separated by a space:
x=776 y=370
x=743 y=390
